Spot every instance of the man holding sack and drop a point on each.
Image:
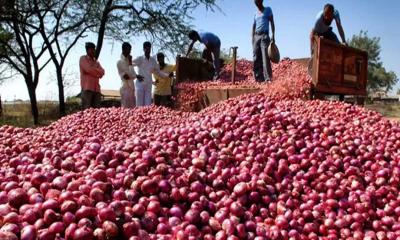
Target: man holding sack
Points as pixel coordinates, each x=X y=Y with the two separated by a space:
x=261 y=41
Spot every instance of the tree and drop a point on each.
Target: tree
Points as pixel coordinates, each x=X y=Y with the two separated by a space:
x=225 y=54
x=61 y=24
x=165 y=22
x=378 y=77
x=4 y=73
x=4 y=69
x=66 y=21
x=20 y=49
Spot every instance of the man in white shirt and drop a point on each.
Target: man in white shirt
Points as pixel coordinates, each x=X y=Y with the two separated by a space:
x=147 y=65
x=127 y=74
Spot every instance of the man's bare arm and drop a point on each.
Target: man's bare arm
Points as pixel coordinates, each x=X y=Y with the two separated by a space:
x=341 y=31
x=271 y=19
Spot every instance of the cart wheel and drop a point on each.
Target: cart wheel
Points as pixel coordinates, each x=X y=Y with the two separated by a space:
x=319 y=96
x=311 y=95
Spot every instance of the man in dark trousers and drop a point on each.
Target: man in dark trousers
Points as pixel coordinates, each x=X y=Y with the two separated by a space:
x=322 y=27
x=213 y=45
x=261 y=40
x=91 y=72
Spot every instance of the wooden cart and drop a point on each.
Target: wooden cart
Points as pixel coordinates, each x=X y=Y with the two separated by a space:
x=338 y=70
x=189 y=69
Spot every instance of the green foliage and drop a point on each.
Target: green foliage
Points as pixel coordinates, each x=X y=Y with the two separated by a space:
x=5 y=37
x=378 y=77
x=165 y=23
x=225 y=54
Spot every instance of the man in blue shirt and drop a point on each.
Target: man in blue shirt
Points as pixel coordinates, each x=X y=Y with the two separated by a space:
x=322 y=27
x=212 y=43
x=260 y=36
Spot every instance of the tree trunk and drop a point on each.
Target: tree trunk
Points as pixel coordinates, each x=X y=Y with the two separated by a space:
x=61 y=97
x=33 y=100
x=102 y=29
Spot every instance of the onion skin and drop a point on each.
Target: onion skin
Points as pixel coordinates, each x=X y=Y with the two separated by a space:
x=28 y=233
x=17 y=197
x=8 y=236
x=110 y=229
x=83 y=233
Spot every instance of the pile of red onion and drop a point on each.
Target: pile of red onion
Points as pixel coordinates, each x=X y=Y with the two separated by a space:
x=260 y=166
x=290 y=81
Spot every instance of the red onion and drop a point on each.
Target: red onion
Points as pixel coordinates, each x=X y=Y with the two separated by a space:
x=110 y=229
x=130 y=229
x=57 y=227
x=107 y=214
x=17 y=197
x=83 y=233
x=262 y=165
x=28 y=233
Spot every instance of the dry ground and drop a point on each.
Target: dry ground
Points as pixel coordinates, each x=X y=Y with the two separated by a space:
x=390 y=111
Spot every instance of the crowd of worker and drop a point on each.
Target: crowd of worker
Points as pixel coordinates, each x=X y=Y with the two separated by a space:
x=154 y=80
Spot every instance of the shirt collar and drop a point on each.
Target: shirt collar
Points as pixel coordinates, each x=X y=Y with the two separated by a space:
x=123 y=58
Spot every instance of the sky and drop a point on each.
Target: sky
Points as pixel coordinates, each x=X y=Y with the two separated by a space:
x=232 y=23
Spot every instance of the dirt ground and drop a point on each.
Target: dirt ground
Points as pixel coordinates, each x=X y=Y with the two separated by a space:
x=394 y=119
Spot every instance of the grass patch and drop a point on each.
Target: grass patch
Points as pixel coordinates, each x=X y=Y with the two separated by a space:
x=387 y=110
x=19 y=113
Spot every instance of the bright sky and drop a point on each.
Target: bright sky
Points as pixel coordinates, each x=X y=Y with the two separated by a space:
x=293 y=19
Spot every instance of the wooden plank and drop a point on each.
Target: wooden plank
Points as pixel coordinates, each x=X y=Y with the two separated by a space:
x=191 y=69
x=338 y=69
x=240 y=91
x=330 y=64
x=341 y=90
x=216 y=95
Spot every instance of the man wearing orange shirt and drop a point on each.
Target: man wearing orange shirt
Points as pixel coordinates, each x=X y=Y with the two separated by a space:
x=91 y=72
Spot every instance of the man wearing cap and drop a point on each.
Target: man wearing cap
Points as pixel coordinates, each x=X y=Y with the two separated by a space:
x=147 y=65
x=91 y=72
x=260 y=38
x=322 y=27
x=212 y=43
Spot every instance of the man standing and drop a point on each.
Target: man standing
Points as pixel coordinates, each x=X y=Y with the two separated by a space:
x=147 y=65
x=127 y=74
x=212 y=43
x=163 y=86
x=91 y=72
x=322 y=27
x=260 y=36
